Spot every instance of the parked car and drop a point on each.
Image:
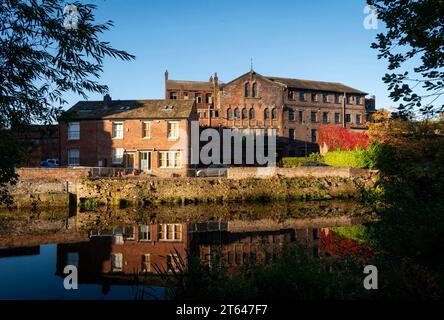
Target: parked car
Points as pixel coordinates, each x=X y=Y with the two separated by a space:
x=50 y=163
x=214 y=170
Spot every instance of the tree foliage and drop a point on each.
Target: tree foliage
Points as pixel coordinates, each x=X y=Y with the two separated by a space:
x=41 y=60
x=414 y=36
x=339 y=138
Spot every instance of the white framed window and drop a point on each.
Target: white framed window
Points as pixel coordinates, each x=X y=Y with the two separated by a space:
x=146 y=129
x=73 y=157
x=172 y=262
x=118 y=155
x=116 y=262
x=73 y=130
x=170 y=159
x=173 y=129
x=170 y=232
x=144 y=233
x=117 y=130
x=198 y=98
x=146 y=262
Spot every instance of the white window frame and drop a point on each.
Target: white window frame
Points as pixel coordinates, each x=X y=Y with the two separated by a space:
x=116 y=160
x=73 y=134
x=173 y=134
x=173 y=258
x=163 y=234
x=147 y=226
x=117 y=134
x=146 y=123
x=77 y=163
x=147 y=257
x=170 y=154
x=119 y=258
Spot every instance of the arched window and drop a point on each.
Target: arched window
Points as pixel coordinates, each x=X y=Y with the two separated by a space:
x=254 y=93
x=229 y=114
x=247 y=89
x=266 y=114
x=251 y=114
x=291 y=115
x=244 y=113
x=274 y=114
x=236 y=114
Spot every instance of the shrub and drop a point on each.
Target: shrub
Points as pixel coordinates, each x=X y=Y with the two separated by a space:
x=339 y=138
x=352 y=158
x=293 y=162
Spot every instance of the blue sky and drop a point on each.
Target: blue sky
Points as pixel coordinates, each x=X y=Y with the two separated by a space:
x=316 y=40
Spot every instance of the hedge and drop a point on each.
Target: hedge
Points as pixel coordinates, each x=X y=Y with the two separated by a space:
x=353 y=158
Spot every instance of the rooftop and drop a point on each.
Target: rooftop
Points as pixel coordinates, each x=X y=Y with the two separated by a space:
x=132 y=109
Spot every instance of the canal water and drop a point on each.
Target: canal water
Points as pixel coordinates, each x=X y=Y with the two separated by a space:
x=118 y=253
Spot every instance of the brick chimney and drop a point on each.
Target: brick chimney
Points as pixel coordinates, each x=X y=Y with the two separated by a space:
x=106 y=101
x=166 y=86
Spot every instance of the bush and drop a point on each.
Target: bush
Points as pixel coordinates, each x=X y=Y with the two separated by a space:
x=353 y=158
x=293 y=162
x=339 y=138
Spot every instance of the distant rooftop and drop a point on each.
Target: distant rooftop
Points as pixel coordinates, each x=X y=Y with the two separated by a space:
x=132 y=109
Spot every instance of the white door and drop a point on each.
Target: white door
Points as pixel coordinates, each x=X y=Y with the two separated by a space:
x=145 y=160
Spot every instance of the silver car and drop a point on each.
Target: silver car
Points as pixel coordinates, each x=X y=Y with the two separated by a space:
x=214 y=170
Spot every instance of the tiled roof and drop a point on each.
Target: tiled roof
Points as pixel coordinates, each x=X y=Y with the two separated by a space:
x=189 y=85
x=132 y=109
x=315 y=85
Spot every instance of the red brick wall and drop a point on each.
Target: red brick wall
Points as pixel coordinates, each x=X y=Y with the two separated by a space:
x=96 y=143
x=95 y=255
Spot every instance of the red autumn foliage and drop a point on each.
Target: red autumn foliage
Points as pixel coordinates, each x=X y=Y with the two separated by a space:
x=338 y=246
x=339 y=138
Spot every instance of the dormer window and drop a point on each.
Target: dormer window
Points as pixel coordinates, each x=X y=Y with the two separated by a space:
x=198 y=98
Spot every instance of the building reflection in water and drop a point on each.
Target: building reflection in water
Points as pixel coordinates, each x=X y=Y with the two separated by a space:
x=120 y=252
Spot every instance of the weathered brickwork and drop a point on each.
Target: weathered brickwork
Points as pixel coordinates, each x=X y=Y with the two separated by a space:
x=143 y=136
x=294 y=108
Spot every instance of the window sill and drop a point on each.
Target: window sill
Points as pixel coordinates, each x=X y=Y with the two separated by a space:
x=173 y=139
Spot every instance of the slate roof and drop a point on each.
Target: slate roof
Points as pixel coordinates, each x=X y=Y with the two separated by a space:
x=189 y=85
x=131 y=109
x=315 y=85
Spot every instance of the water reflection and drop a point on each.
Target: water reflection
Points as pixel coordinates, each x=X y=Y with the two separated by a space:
x=112 y=249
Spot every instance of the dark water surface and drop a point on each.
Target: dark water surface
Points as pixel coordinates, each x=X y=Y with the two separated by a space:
x=117 y=251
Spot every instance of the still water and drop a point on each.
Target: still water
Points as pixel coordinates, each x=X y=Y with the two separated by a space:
x=118 y=252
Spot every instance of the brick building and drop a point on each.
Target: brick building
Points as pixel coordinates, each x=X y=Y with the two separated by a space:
x=204 y=93
x=294 y=108
x=145 y=135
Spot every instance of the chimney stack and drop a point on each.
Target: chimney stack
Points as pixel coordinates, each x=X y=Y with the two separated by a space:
x=216 y=79
x=211 y=79
x=106 y=101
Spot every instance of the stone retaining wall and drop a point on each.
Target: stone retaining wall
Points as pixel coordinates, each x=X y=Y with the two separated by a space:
x=195 y=190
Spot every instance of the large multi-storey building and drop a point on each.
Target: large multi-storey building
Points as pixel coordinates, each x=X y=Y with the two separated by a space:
x=294 y=108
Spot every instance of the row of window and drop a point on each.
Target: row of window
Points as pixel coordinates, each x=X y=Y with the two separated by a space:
x=198 y=96
x=245 y=114
x=145 y=265
x=325 y=117
x=118 y=129
x=326 y=98
x=167 y=159
x=250 y=114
